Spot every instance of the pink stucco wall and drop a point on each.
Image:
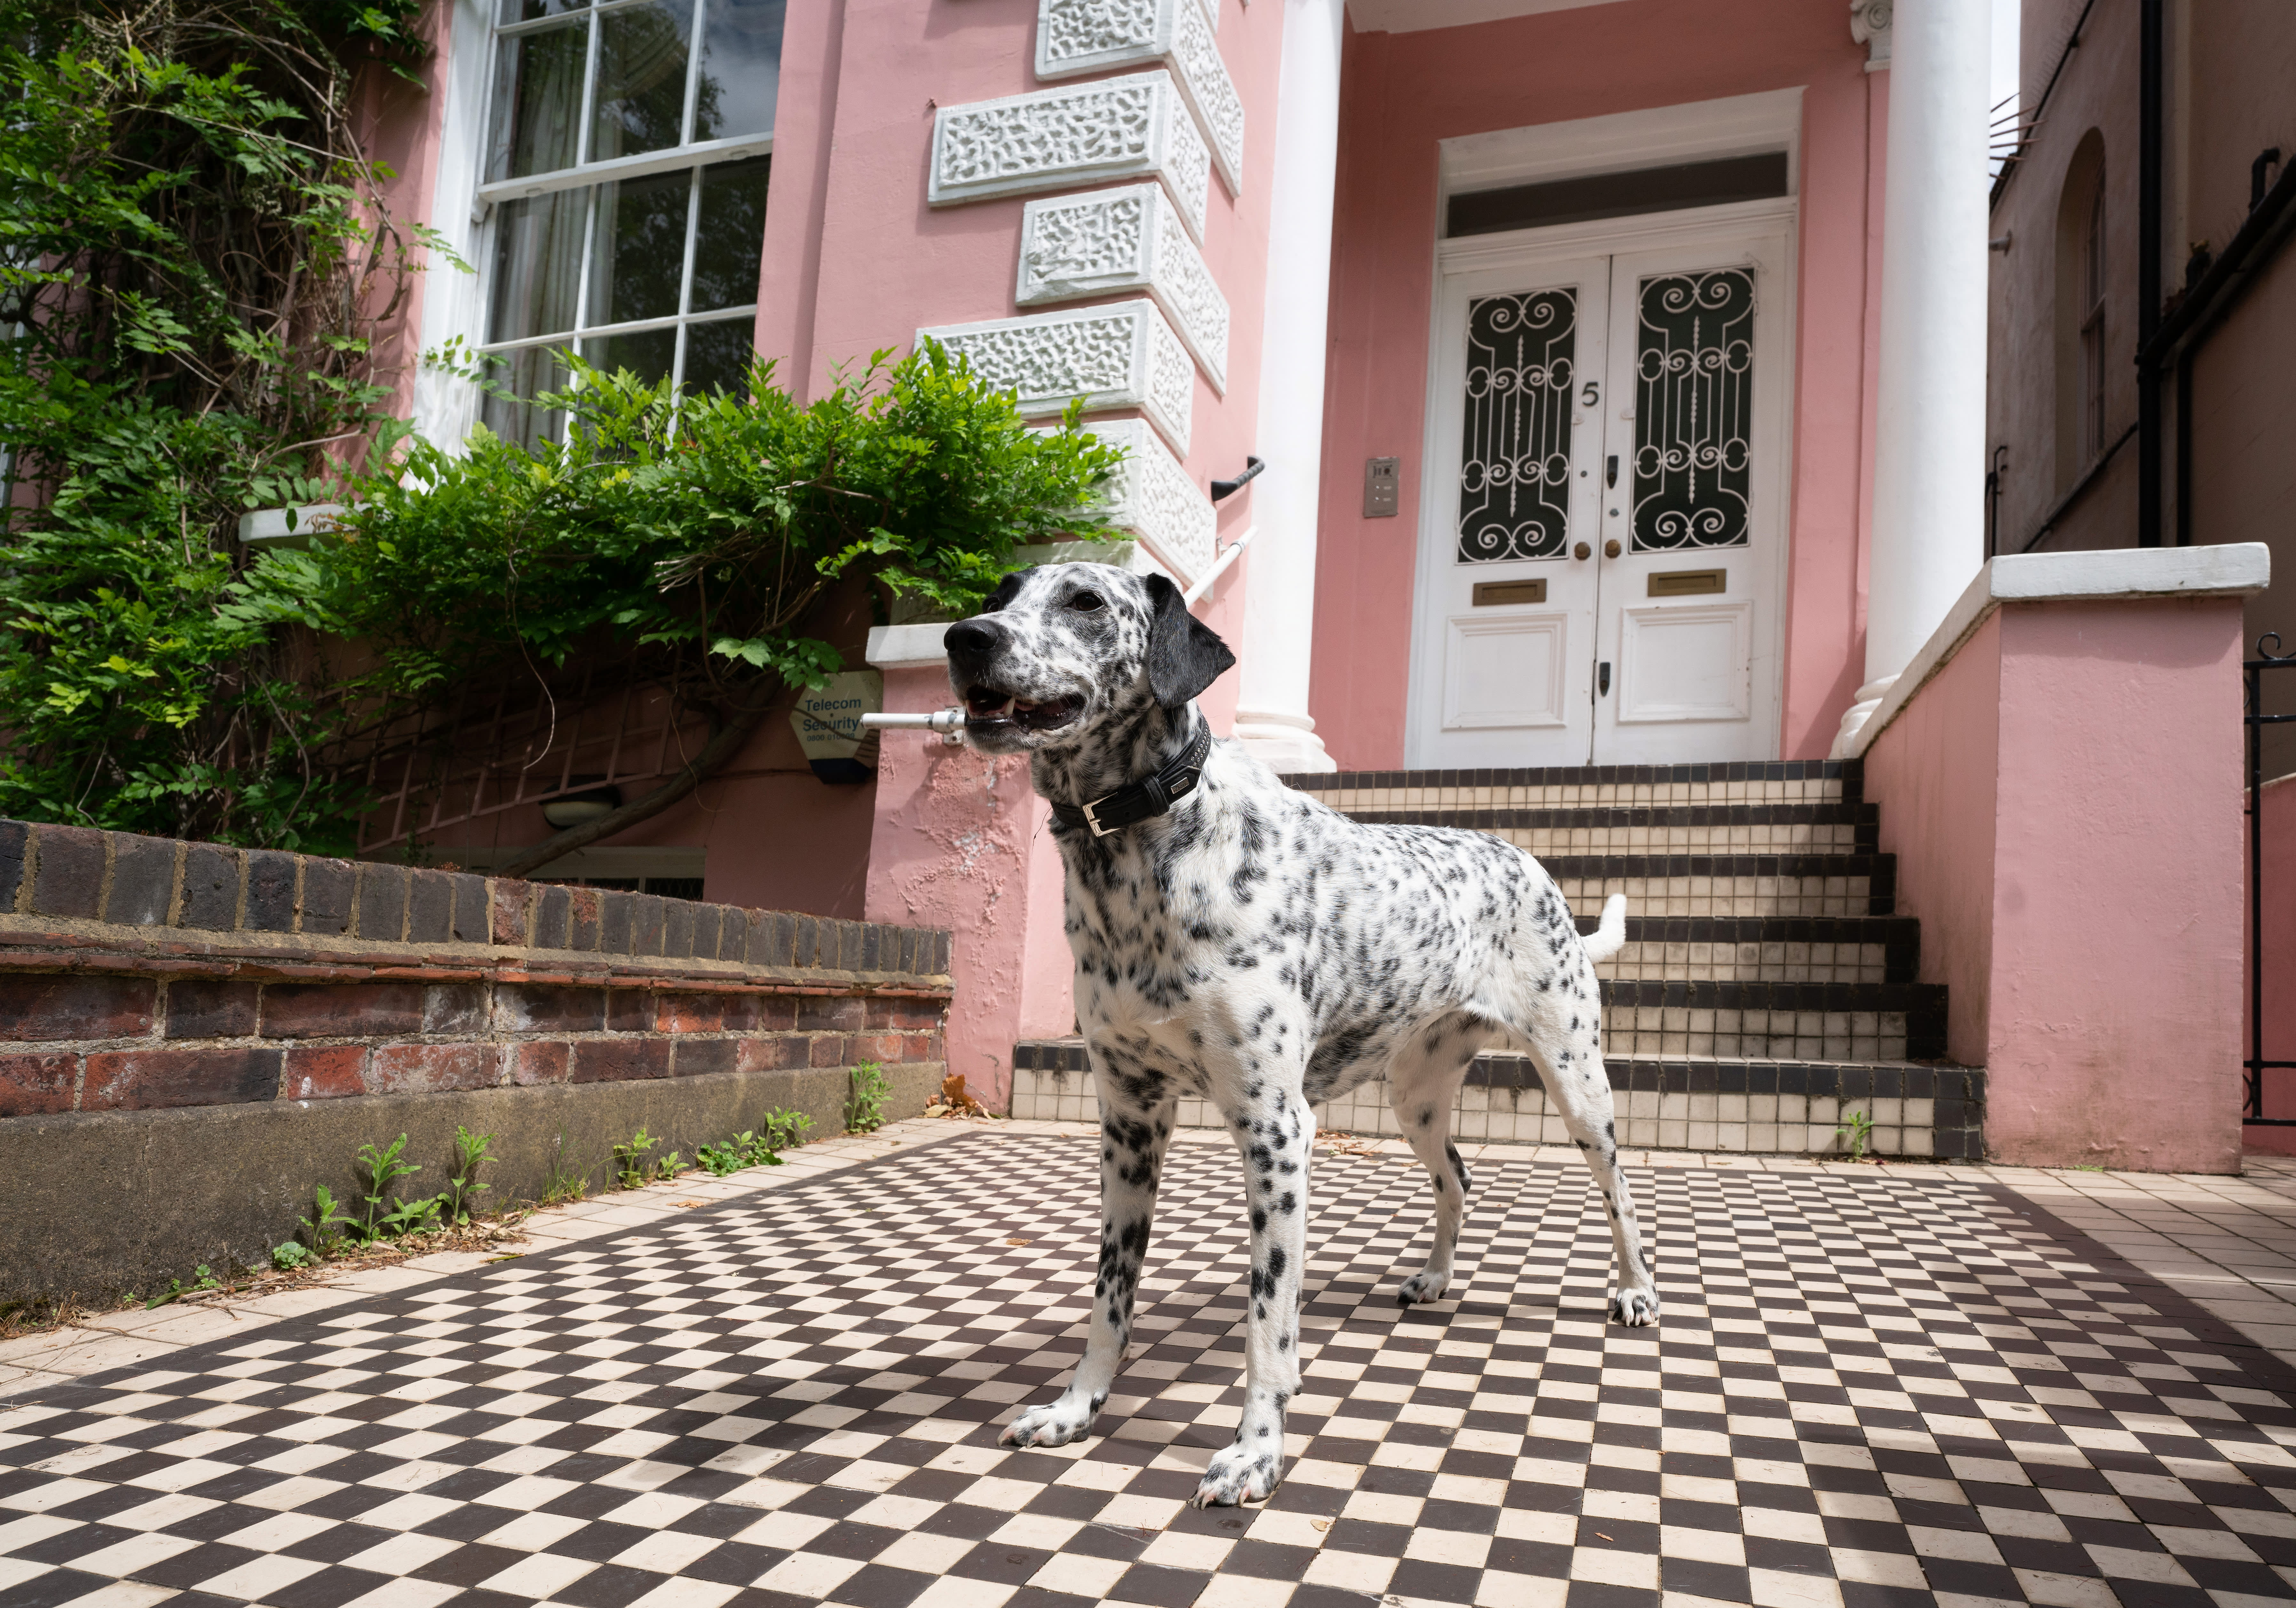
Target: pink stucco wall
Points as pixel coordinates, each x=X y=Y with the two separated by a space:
x=2093 y=952
x=1403 y=93
x=400 y=124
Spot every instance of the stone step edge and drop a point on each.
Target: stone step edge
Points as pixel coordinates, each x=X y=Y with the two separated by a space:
x=1519 y=818
x=1851 y=773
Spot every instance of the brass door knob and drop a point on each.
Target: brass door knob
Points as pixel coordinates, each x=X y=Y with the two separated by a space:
x=1581 y=550
x=1611 y=548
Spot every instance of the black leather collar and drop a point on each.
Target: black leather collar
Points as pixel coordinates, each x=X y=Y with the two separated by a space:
x=1142 y=801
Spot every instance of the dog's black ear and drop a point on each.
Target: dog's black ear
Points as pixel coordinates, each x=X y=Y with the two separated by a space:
x=1184 y=655
x=1008 y=590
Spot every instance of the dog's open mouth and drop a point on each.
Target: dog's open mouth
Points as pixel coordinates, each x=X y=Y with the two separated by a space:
x=985 y=706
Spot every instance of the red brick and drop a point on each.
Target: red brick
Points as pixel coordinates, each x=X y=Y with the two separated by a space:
x=538 y=1060
x=531 y=1009
x=513 y=905
x=327 y=1071
x=921 y=1046
x=909 y=1015
x=210 y=1010
x=30 y=1085
x=150 y=1080
x=690 y=1012
x=630 y=1011
x=879 y=1048
x=52 y=1006
x=829 y=1050
x=776 y=1010
x=619 y=1060
x=422 y=1068
x=345 y=1010
x=771 y=1054
x=698 y=1056
x=824 y=1016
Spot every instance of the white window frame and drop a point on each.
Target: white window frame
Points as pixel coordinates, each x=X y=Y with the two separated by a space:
x=463 y=208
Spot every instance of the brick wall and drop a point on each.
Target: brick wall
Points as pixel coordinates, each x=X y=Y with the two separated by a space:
x=141 y=973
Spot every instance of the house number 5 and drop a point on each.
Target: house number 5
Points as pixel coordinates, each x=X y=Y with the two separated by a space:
x=1590 y=396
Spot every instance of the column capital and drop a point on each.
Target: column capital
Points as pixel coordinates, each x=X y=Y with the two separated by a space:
x=1869 y=25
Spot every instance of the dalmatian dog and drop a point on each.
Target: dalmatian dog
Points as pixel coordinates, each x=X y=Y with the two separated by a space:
x=1238 y=941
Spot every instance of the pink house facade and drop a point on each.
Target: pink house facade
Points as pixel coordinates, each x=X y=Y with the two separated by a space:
x=1617 y=367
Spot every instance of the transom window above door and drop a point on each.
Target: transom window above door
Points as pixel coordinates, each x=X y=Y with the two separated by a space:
x=627 y=162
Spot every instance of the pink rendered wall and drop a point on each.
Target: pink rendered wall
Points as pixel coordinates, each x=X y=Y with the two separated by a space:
x=401 y=125
x=961 y=843
x=1402 y=93
x=1935 y=771
x=2102 y=973
x=2279 y=882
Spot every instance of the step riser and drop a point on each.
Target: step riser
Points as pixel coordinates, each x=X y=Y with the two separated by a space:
x=1745 y=1123
x=1729 y=896
x=1796 y=838
x=1579 y=795
x=1753 y=963
x=1662 y=1031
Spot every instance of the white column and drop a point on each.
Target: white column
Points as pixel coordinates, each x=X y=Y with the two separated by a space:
x=1279 y=606
x=1929 y=457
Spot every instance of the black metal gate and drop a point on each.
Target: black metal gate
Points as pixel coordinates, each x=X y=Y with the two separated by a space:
x=2253 y=1113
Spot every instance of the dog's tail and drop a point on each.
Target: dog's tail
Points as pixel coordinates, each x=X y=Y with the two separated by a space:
x=1607 y=939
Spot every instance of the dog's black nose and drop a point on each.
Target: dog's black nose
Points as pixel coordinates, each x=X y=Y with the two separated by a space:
x=975 y=637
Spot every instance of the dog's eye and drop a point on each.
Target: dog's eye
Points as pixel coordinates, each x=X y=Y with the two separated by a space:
x=1085 y=602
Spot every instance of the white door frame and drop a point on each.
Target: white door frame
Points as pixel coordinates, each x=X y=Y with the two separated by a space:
x=1719 y=228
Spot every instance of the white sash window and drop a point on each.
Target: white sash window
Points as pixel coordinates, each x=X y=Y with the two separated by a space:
x=628 y=149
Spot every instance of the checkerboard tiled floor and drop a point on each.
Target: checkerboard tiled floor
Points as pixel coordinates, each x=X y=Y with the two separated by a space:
x=1869 y=1388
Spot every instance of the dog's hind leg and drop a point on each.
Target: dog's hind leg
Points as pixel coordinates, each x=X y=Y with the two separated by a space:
x=1423 y=1086
x=1132 y=1136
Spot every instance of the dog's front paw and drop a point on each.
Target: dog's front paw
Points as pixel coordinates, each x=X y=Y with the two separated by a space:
x=1421 y=1287
x=1238 y=1473
x=1637 y=1308
x=1055 y=1424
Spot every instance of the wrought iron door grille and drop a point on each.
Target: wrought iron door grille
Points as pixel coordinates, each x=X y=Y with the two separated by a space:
x=1693 y=411
x=2252 y=1109
x=1514 y=471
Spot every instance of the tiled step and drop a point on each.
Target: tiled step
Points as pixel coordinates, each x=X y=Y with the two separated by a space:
x=1845 y=1021
x=1736 y=885
x=1703 y=1103
x=1824 y=828
x=1553 y=787
x=1767 y=948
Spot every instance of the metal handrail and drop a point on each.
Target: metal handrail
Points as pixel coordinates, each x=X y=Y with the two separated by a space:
x=2256 y=719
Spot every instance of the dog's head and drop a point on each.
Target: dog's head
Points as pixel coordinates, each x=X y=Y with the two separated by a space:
x=1062 y=655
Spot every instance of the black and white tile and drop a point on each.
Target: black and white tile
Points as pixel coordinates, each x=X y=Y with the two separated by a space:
x=1871 y=1387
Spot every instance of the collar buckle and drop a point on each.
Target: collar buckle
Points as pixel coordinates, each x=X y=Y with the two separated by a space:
x=1092 y=821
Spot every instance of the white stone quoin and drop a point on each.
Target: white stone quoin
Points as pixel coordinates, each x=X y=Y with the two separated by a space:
x=1123 y=355
x=1075 y=36
x=1132 y=239
x=1153 y=498
x=1064 y=139
x=1929 y=455
x=1279 y=600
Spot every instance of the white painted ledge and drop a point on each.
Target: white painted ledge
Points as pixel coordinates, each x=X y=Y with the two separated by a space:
x=907 y=647
x=2233 y=569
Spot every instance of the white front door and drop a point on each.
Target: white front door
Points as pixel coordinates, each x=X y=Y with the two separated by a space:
x=1603 y=513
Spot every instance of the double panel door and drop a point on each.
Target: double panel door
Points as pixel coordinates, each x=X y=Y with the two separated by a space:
x=1602 y=526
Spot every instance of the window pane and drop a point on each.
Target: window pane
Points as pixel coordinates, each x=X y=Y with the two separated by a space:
x=647 y=354
x=537 y=265
x=528 y=11
x=641 y=98
x=717 y=354
x=731 y=237
x=537 y=101
x=741 y=68
x=526 y=372
x=641 y=248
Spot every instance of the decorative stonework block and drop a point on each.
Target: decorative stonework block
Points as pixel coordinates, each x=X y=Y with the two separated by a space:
x=1120 y=356
x=1062 y=139
x=1125 y=239
x=1091 y=35
x=1153 y=498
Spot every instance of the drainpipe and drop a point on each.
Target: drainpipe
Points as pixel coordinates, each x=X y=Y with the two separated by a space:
x=2148 y=277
